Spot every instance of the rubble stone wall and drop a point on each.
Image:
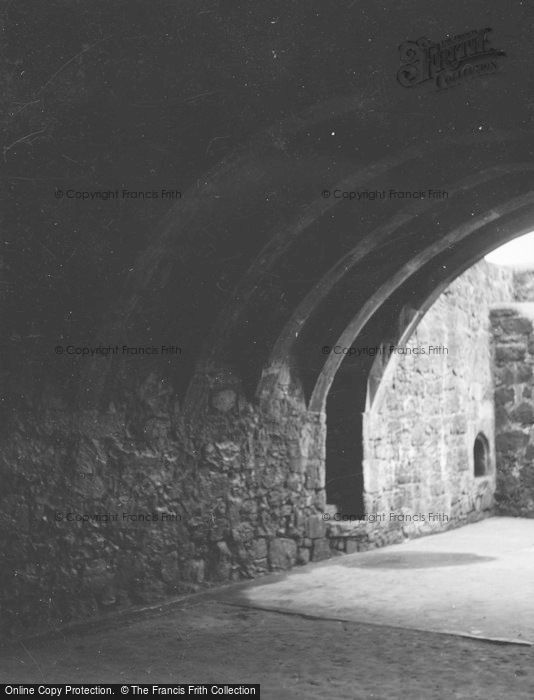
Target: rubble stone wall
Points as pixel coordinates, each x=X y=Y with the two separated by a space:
x=101 y=511
x=513 y=334
x=436 y=397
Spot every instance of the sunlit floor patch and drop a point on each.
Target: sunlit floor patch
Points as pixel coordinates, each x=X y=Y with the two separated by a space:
x=475 y=581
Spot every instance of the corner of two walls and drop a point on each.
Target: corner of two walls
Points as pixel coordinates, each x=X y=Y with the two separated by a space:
x=419 y=439
x=513 y=339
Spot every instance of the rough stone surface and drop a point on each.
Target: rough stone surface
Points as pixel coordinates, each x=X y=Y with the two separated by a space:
x=282 y=553
x=420 y=432
x=321 y=549
x=134 y=504
x=514 y=407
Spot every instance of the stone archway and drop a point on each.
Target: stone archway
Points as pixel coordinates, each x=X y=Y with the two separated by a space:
x=262 y=263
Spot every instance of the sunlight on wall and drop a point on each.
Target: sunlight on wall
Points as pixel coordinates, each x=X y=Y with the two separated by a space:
x=517 y=253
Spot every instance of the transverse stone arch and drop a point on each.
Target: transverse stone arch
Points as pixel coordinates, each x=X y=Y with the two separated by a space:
x=246 y=327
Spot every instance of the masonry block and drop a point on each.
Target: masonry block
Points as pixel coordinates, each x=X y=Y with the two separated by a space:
x=282 y=553
x=321 y=550
x=510 y=353
x=523 y=413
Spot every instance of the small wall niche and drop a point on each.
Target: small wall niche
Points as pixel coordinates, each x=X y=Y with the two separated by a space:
x=481 y=457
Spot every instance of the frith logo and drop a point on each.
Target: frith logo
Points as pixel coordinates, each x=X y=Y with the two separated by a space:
x=448 y=62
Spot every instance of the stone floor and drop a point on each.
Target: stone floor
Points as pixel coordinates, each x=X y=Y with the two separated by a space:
x=216 y=638
x=476 y=580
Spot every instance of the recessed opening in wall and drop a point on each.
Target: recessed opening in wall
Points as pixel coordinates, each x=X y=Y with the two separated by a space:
x=345 y=406
x=344 y=463
x=481 y=455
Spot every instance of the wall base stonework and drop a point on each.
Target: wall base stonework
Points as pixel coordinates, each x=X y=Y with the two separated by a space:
x=105 y=510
